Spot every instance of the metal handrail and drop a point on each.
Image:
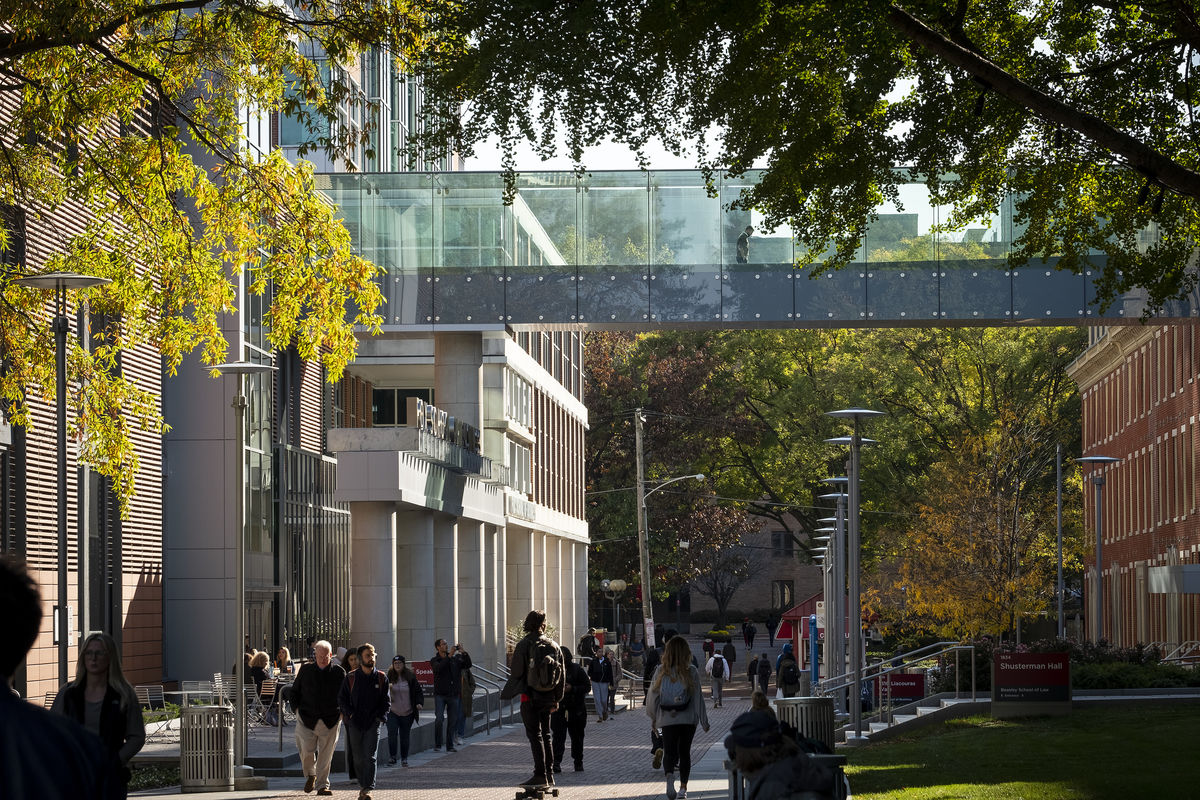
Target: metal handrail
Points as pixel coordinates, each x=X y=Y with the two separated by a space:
x=501 y=678
x=832 y=684
x=487 y=706
x=1188 y=651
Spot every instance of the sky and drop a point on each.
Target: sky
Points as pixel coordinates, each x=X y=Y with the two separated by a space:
x=606 y=156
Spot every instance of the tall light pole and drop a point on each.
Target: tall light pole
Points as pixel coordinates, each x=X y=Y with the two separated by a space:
x=1098 y=463
x=240 y=369
x=60 y=282
x=612 y=590
x=835 y=603
x=1058 y=585
x=643 y=533
x=853 y=547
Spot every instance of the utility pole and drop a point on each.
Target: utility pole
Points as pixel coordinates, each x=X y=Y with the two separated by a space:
x=643 y=539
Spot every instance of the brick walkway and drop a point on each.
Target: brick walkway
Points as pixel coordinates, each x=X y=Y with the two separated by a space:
x=617 y=764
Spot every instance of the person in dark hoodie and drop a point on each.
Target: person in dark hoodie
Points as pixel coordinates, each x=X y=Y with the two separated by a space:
x=774 y=764
x=787 y=672
x=571 y=714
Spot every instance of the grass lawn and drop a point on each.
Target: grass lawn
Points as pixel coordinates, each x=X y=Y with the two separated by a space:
x=1104 y=751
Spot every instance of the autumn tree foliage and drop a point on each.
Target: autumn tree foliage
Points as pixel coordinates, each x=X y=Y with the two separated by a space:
x=131 y=117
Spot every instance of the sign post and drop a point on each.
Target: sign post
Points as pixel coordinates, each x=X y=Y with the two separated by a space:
x=1030 y=684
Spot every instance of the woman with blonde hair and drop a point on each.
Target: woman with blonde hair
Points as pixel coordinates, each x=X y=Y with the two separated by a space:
x=283 y=661
x=675 y=705
x=102 y=701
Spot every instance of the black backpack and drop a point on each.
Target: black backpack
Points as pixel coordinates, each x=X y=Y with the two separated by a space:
x=789 y=674
x=718 y=667
x=545 y=668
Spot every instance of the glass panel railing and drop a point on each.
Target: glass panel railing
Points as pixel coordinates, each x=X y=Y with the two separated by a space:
x=647 y=248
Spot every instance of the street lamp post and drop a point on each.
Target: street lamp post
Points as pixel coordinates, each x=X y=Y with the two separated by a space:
x=643 y=532
x=613 y=589
x=240 y=369
x=835 y=603
x=1098 y=463
x=60 y=282
x=854 y=551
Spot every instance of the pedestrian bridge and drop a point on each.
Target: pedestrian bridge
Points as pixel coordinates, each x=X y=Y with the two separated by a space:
x=650 y=249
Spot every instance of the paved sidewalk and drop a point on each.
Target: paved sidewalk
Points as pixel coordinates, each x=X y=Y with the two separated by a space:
x=617 y=764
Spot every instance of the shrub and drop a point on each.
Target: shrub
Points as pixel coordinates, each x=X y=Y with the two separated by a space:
x=1127 y=675
x=154 y=776
x=717 y=635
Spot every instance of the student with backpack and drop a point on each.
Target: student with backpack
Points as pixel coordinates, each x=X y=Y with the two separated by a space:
x=764 y=672
x=787 y=672
x=717 y=668
x=677 y=708
x=538 y=675
x=599 y=672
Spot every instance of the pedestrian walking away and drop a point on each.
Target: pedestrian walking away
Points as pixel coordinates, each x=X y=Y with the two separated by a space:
x=599 y=671
x=653 y=659
x=363 y=701
x=538 y=675
x=676 y=707
x=787 y=672
x=764 y=673
x=571 y=715
x=315 y=698
x=751 y=632
x=405 y=701
x=466 y=694
x=43 y=755
x=772 y=623
x=717 y=668
x=752 y=671
x=103 y=702
x=349 y=662
x=589 y=645
x=730 y=653
x=447 y=669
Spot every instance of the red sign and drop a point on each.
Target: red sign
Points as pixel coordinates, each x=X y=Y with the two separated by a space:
x=424 y=673
x=901 y=685
x=1031 y=676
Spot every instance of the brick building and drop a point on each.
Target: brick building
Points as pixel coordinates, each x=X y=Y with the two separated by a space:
x=1141 y=404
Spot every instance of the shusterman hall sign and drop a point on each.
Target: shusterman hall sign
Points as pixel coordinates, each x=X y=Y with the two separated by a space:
x=1025 y=684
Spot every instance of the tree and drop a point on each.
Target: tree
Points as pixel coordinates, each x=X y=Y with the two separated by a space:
x=718 y=561
x=130 y=118
x=1081 y=112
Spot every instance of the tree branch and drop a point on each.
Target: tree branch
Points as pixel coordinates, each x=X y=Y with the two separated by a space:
x=1140 y=156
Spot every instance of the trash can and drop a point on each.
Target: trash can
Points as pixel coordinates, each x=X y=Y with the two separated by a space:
x=206 y=749
x=811 y=716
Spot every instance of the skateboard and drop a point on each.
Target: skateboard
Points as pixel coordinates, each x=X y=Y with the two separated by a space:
x=536 y=792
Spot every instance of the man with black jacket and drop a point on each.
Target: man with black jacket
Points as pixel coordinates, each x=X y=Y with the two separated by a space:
x=314 y=696
x=447 y=691
x=571 y=715
x=537 y=704
x=364 y=703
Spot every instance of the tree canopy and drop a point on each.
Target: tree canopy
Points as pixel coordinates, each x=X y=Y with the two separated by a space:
x=1082 y=112
x=131 y=119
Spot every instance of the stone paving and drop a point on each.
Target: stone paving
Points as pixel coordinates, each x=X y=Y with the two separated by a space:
x=617 y=764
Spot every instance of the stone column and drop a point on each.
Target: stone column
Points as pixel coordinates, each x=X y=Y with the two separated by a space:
x=471 y=587
x=414 y=597
x=581 y=588
x=520 y=571
x=373 y=579
x=500 y=573
x=445 y=579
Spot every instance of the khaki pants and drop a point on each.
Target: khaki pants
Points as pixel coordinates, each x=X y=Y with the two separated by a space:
x=316 y=746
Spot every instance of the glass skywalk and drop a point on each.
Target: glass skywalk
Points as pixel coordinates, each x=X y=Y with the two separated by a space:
x=652 y=249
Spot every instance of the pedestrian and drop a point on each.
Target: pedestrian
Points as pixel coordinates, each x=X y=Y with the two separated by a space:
x=405 y=700
x=637 y=656
x=652 y=661
x=752 y=671
x=614 y=671
x=709 y=646
x=315 y=698
x=349 y=663
x=103 y=702
x=363 y=701
x=676 y=706
x=773 y=762
x=746 y=633
x=764 y=673
x=283 y=661
x=751 y=632
x=787 y=672
x=571 y=715
x=447 y=691
x=730 y=653
x=466 y=693
x=43 y=755
x=538 y=675
x=743 y=245
x=600 y=673
x=589 y=645
x=759 y=702
x=772 y=623
x=717 y=668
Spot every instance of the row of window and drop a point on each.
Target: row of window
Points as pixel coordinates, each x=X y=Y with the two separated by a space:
x=1151 y=488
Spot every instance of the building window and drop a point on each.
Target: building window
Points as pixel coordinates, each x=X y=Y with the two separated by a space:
x=783 y=594
x=389 y=407
x=782 y=545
